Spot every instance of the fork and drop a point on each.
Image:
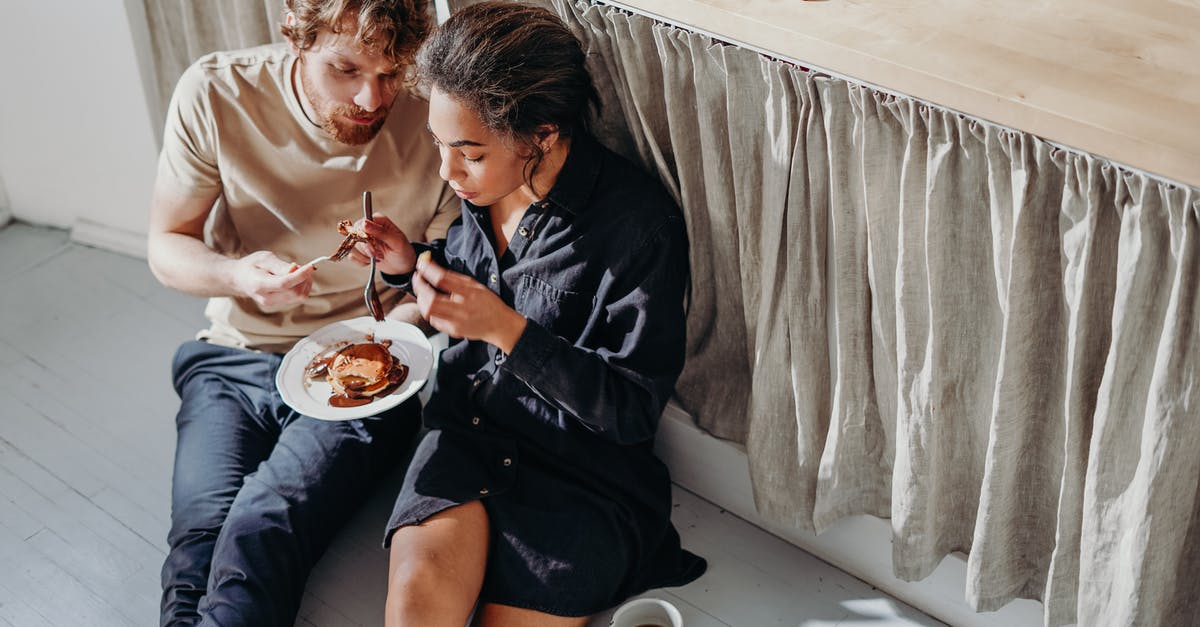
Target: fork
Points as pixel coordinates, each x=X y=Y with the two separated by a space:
x=369 y=294
x=316 y=261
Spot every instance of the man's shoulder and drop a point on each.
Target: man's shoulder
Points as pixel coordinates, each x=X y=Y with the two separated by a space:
x=253 y=57
x=224 y=66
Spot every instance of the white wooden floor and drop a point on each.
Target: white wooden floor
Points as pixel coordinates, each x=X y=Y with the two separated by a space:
x=86 y=443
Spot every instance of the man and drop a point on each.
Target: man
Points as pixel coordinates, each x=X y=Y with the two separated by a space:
x=264 y=151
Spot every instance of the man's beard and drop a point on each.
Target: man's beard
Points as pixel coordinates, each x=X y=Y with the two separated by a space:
x=344 y=132
x=349 y=132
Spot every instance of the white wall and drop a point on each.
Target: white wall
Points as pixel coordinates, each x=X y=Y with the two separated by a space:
x=5 y=211
x=77 y=145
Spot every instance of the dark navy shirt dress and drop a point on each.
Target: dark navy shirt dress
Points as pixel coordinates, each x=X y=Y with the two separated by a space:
x=556 y=438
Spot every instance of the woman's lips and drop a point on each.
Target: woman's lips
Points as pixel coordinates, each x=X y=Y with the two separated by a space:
x=465 y=195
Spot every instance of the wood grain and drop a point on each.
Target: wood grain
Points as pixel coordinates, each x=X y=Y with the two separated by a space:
x=1116 y=79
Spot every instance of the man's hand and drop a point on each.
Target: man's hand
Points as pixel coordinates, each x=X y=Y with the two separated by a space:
x=269 y=281
x=461 y=307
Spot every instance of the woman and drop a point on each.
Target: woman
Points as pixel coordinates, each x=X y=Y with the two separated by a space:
x=536 y=493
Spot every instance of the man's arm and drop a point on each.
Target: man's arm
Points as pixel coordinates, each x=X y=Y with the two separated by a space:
x=180 y=259
x=407 y=311
x=177 y=254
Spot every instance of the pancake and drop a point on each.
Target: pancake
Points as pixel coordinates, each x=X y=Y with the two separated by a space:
x=359 y=373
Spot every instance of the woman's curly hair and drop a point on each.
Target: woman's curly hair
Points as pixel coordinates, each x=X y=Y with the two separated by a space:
x=517 y=67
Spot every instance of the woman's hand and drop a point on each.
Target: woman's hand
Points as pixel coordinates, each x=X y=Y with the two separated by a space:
x=392 y=251
x=269 y=281
x=462 y=307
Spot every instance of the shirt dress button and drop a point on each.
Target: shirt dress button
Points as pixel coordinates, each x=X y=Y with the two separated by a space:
x=483 y=491
x=499 y=358
x=493 y=278
x=475 y=421
x=523 y=231
x=508 y=461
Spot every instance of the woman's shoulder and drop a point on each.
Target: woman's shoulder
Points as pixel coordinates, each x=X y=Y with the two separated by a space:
x=627 y=189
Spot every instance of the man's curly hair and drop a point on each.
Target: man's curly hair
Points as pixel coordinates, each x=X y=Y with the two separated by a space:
x=395 y=28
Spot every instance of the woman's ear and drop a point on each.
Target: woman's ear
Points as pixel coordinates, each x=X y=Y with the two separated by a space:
x=546 y=136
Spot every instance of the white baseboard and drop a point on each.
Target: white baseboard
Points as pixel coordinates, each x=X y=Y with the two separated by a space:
x=717 y=471
x=117 y=240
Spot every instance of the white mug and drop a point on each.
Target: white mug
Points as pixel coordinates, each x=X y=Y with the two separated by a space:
x=647 y=613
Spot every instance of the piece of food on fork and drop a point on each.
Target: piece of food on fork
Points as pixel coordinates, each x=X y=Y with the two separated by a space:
x=353 y=236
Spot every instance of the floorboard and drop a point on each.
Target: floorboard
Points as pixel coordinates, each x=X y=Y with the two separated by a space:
x=86 y=446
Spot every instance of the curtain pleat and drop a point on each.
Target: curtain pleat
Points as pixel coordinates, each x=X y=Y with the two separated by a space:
x=183 y=30
x=1144 y=459
x=907 y=313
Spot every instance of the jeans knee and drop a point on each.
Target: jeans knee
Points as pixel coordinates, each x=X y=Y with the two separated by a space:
x=197 y=521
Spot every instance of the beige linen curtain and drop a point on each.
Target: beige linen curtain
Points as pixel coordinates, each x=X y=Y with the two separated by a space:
x=183 y=30
x=908 y=313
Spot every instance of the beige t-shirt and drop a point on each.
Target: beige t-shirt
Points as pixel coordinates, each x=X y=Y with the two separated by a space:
x=235 y=126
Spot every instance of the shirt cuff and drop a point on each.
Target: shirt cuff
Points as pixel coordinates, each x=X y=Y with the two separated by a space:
x=403 y=282
x=531 y=352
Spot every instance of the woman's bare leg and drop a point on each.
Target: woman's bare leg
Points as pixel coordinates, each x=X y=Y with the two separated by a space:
x=493 y=615
x=436 y=568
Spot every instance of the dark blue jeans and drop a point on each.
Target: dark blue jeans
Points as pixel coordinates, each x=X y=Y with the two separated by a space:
x=259 y=490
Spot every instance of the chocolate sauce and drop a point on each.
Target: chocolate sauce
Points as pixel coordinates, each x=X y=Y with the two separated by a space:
x=318 y=367
x=336 y=400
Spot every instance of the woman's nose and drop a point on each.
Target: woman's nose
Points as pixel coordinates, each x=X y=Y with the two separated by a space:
x=448 y=170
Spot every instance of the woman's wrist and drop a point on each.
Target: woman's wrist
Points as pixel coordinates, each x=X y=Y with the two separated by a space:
x=508 y=331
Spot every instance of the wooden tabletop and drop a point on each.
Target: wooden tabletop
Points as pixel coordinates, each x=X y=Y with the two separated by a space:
x=1116 y=79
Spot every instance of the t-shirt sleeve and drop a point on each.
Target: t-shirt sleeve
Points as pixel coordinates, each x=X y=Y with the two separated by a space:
x=188 y=160
x=449 y=209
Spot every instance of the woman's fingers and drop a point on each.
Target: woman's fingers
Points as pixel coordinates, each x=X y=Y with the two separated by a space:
x=382 y=226
x=426 y=294
x=441 y=278
x=361 y=254
x=430 y=271
x=444 y=311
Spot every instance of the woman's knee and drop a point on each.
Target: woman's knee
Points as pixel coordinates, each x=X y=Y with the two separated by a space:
x=414 y=579
x=436 y=567
x=423 y=589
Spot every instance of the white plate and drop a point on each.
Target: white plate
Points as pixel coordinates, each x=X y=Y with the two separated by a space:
x=311 y=396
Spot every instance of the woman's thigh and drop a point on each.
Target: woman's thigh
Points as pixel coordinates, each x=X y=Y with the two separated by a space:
x=494 y=615
x=437 y=567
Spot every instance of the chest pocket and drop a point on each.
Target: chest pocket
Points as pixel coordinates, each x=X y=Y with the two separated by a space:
x=563 y=312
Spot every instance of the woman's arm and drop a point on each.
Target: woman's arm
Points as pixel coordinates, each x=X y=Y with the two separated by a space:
x=620 y=387
x=616 y=385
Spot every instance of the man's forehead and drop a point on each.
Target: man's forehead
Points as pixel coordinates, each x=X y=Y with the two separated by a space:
x=346 y=47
